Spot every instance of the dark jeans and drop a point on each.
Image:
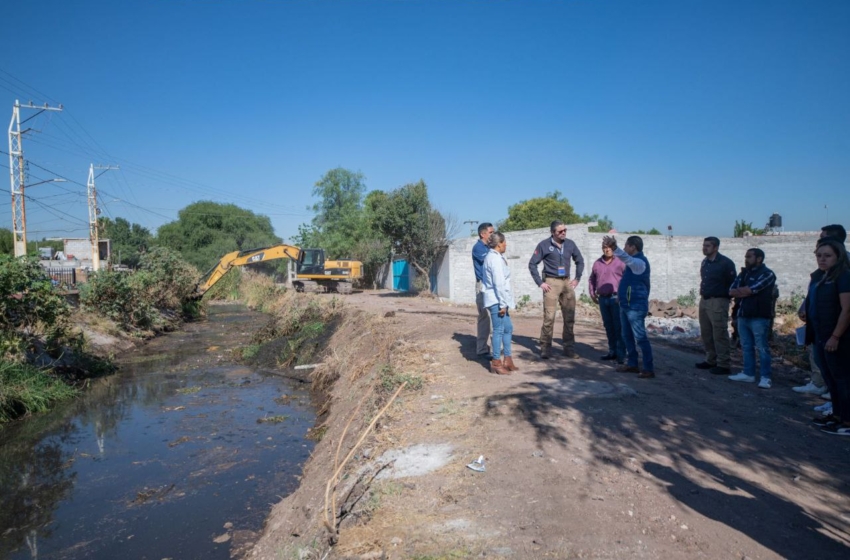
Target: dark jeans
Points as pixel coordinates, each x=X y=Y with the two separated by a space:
x=835 y=367
x=634 y=336
x=609 y=308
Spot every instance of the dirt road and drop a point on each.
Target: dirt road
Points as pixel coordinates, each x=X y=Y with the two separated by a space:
x=585 y=462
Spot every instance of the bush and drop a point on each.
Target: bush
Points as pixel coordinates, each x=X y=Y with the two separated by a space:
x=689 y=300
x=117 y=296
x=227 y=288
x=29 y=307
x=162 y=284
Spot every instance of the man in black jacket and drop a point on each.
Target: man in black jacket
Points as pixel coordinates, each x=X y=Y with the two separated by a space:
x=717 y=272
x=753 y=289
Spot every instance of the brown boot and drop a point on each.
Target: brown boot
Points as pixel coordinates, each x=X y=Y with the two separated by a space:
x=497 y=367
x=509 y=364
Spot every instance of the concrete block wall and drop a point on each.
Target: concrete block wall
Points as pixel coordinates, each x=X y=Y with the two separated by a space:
x=674 y=261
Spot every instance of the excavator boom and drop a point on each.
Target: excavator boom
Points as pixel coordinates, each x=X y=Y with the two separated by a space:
x=241 y=258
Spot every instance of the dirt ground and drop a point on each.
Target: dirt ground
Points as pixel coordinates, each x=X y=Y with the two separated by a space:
x=582 y=461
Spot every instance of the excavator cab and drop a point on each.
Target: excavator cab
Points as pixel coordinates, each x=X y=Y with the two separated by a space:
x=312 y=263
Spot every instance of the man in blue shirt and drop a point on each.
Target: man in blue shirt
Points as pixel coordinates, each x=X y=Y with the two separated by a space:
x=479 y=252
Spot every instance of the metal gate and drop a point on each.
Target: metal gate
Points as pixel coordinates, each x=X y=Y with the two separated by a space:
x=401 y=275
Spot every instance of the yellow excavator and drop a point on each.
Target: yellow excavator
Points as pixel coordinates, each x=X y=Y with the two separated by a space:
x=312 y=272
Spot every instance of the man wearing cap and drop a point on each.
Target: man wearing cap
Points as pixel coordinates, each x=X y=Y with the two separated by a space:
x=555 y=253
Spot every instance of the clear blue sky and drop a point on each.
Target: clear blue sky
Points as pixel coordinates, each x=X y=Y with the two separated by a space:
x=683 y=113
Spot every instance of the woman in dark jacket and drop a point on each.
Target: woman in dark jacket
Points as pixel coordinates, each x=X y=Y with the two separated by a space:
x=827 y=316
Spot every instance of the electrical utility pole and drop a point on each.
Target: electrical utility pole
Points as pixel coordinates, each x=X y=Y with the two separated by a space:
x=471 y=227
x=17 y=173
x=93 y=213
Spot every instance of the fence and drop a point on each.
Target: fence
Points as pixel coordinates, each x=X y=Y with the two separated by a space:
x=63 y=277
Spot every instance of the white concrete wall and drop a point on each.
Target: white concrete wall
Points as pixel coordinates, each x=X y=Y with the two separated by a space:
x=674 y=261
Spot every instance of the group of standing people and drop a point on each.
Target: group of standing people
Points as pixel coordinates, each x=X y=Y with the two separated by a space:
x=495 y=299
x=620 y=284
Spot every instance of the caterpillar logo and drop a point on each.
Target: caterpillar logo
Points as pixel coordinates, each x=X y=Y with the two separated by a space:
x=256 y=258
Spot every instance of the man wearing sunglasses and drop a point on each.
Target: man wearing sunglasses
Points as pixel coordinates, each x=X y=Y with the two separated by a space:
x=558 y=289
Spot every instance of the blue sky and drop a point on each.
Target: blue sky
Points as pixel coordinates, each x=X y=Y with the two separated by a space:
x=683 y=113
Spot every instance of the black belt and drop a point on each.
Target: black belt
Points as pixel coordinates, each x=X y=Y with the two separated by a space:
x=545 y=277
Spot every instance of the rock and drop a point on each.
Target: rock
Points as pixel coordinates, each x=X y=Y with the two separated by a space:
x=537 y=453
x=222 y=538
x=228 y=525
x=395 y=541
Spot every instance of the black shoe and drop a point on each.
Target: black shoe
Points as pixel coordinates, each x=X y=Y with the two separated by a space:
x=646 y=374
x=717 y=370
x=608 y=357
x=705 y=365
x=826 y=421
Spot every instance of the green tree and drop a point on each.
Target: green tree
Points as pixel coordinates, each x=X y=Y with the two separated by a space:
x=742 y=226
x=539 y=213
x=338 y=225
x=7 y=245
x=412 y=226
x=342 y=224
x=603 y=224
x=205 y=231
x=653 y=231
x=129 y=241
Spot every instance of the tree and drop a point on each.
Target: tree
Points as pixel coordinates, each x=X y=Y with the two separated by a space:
x=742 y=226
x=653 y=231
x=539 y=213
x=205 y=231
x=542 y=211
x=342 y=222
x=7 y=245
x=603 y=224
x=339 y=225
x=129 y=241
x=414 y=228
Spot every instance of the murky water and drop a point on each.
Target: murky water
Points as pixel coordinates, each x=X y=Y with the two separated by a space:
x=179 y=450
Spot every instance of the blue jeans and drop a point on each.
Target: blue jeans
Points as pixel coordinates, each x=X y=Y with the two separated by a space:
x=609 y=308
x=503 y=328
x=753 y=333
x=634 y=336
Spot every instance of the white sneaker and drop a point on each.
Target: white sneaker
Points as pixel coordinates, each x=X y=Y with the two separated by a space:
x=742 y=377
x=809 y=388
x=765 y=383
x=825 y=409
x=826 y=396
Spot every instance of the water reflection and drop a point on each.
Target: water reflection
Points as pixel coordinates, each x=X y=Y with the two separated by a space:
x=153 y=461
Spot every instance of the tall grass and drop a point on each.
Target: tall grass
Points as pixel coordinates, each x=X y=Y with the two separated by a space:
x=25 y=389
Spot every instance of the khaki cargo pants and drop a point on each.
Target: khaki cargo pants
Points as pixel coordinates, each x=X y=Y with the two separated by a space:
x=714 y=330
x=563 y=295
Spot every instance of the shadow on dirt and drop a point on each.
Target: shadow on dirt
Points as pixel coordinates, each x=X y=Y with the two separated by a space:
x=714 y=432
x=769 y=519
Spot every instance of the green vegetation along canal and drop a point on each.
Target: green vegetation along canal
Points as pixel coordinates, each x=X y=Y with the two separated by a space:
x=178 y=455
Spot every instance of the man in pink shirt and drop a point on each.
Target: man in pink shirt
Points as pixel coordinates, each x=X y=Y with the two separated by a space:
x=602 y=284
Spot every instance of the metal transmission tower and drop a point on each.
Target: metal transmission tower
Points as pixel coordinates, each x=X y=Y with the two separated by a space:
x=17 y=174
x=93 y=213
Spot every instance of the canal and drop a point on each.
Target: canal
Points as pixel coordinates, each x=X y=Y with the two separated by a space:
x=181 y=454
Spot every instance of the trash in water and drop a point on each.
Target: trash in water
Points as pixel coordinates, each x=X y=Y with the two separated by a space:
x=477 y=465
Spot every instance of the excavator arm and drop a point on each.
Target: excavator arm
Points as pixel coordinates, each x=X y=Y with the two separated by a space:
x=241 y=258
